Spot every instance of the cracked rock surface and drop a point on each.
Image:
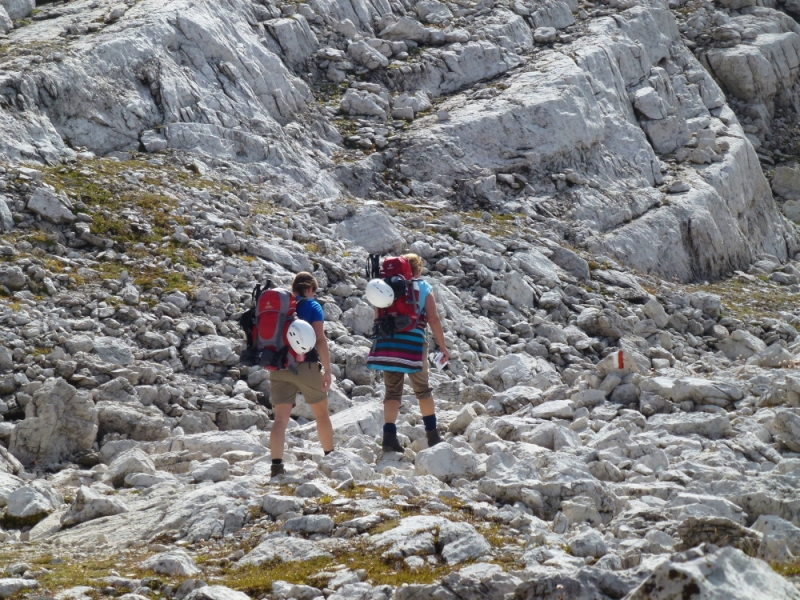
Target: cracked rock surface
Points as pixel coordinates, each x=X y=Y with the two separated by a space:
x=603 y=194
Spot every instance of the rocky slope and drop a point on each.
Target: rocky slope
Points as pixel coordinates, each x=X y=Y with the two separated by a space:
x=564 y=170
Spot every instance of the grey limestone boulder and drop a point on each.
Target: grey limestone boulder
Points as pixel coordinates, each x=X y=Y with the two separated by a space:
x=309 y=524
x=13 y=585
x=605 y=323
x=283 y=549
x=373 y=230
x=137 y=422
x=50 y=206
x=173 y=562
x=786 y=181
x=712 y=426
x=787 y=427
x=210 y=350
x=276 y=506
x=18 y=9
x=216 y=592
x=446 y=462
x=13 y=278
x=133 y=461
x=520 y=369
x=90 y=504
x=780 y=539
x=6 y=25
x=726 y=573
x=215 y=469
x=461 y=542
x=33 y=501
x=113 y=350
x=59 y=423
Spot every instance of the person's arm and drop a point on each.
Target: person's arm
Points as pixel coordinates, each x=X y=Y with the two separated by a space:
x=436 y=325
x=323 y=352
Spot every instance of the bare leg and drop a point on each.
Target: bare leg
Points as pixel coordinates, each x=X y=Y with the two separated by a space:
x=324 y=427
x=391 y=408
x=277 y=435
x=426 y=406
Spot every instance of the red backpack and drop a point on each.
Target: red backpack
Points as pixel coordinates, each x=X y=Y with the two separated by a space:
x=265 y=324
x=404 y=314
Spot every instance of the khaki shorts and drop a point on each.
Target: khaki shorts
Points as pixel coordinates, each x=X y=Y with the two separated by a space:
x=285 y=385
x=419 y=382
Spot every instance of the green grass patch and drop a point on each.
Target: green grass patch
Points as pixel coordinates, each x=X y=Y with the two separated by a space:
x=790 y=570
x=745 y=300
x=385 y=526
x=257 y=581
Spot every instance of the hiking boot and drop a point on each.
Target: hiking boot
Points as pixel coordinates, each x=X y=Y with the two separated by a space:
x=433 y=437
x=277 y=470
x=391 y=443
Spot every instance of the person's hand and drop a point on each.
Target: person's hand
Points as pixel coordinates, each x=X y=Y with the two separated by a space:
x=445 y=353
x=326 y=381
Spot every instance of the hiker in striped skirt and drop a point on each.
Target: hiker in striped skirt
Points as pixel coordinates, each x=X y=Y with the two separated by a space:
x=405 y=352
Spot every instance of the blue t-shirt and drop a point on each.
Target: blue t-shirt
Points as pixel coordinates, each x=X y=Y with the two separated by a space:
x=424 y=290
x=310 y=310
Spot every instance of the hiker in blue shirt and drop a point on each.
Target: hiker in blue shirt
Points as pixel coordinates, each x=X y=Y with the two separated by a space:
x=312 y=377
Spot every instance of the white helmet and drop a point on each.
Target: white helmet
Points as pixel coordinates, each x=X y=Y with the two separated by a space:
x=379 y=293
x=301 y=336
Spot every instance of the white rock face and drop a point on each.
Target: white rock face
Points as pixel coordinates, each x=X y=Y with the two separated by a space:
x=343 y=461
x=710 y=426
x=34 y=500
x=217 y=443
x=283 y=549
x=216 y=592
x=727 y=573
x=373 y=231
x=175 y=562
x=741 y=344
x=212 y=470
x=520 y=369
x=49 y=205
x=786 y=182
x=133 y=461
x=276 y=506
x=530 y=153
x=8 y=483
x=113 y=351
x=90 y=504
x=309 y=524
x=787 y=428
x=210 y=350
x=141 y=423
x=780 y=540
x=59 y=423
x=18 y=9
x=445 y=462
x=10 y=586
x=462 y=542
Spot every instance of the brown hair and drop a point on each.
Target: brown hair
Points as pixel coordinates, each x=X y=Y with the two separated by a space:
x=302 y=282
x=415 y=262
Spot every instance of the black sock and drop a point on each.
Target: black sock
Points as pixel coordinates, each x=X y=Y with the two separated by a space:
x=430 y=422
x=389 y=428
x=327 y=452
x=277 y=461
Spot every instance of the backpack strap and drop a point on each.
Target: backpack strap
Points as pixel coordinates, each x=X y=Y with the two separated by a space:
x=311 y=355
x=373 y=266
x=268 y=285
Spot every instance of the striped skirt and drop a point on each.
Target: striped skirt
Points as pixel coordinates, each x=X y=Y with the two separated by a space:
x=403 y=352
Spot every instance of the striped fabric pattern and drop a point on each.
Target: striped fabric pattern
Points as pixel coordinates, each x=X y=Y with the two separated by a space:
x=403 y=352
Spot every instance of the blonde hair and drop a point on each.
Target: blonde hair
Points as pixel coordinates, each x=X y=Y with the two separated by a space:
x=415 y=262
x=302 y=282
